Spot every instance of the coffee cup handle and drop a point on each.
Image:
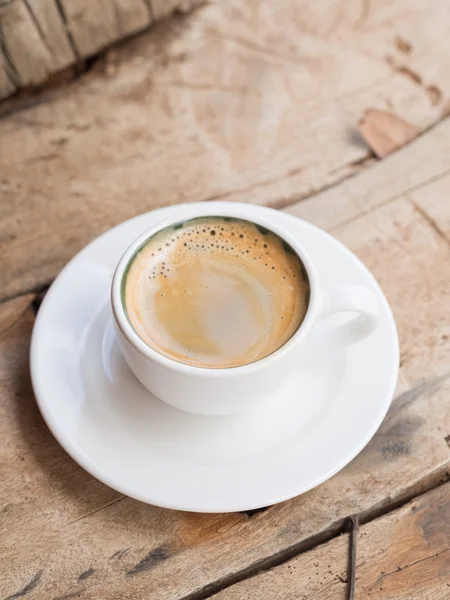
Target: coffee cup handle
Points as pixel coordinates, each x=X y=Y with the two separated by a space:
x=350 y=299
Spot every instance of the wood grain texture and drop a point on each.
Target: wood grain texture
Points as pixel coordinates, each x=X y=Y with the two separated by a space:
x=7 y=85
x=94 y=24
x=429 y=201
x=51 y=27
x=55 y=533
x=33 y=41
x=401 y=556
x=239 y=100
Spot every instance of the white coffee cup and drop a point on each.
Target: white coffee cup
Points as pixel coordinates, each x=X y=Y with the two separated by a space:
x=223 y=391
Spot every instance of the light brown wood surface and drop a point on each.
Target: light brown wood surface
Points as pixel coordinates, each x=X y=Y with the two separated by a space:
x=401 y=556
x=200 y=109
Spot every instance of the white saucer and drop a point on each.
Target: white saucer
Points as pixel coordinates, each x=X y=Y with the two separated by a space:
x=136 y=444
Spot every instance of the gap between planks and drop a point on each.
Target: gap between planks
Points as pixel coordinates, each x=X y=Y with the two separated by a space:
x=439 y=478
x=431 y=222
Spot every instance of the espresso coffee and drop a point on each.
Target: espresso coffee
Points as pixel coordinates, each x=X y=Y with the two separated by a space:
x=215 y=292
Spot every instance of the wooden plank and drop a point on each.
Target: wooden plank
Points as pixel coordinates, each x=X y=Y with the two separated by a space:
x=405 y=554
x=134 y=550
x=94 y=24
x=233 y=104
x=33 y=37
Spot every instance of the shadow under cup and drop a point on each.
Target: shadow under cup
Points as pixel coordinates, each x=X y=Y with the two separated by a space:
x=215 y=292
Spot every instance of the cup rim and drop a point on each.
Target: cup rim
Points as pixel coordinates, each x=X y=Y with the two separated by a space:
x=232 y=210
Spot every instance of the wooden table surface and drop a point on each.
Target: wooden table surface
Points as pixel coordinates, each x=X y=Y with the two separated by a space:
x=258 y=102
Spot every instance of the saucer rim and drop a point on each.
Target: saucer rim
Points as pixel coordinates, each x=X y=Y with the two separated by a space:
x=73 y=449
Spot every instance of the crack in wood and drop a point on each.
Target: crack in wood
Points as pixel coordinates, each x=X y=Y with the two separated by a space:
x=409 y=73
x=62 y=14
x=358 y=163
x=92 y=512
x=403 y=45
x=385 y=202
x=252 y=187
x=210 y=87
x=413 y=564
x=28 y=588
x=431 y=222
x=258 y=48
x=354 y=528
x=365 y=12
x=86 y=574
x=37 y=26
x=148 y=4
x=119 y=553
x=149 y=561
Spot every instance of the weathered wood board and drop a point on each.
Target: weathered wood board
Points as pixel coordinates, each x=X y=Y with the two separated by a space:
x=64 y=533
x=33 y=41
x=39 y=38
x=403 y=555
x=247 y=101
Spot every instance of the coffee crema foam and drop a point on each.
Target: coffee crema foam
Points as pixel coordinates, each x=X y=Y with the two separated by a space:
x=216 y=292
